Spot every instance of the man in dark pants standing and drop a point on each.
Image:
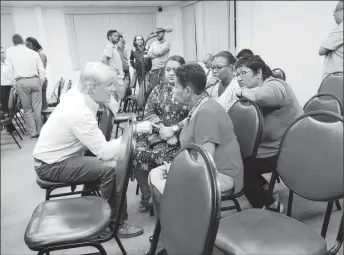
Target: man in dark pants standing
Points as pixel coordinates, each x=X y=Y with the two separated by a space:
x=158 y=52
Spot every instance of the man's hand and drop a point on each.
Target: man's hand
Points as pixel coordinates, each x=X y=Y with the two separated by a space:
x=146 y=127
x=212 y=81
x=247 y=93
x=166 y=132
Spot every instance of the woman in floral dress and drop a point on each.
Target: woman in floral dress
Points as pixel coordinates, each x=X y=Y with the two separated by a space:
x=168 y=115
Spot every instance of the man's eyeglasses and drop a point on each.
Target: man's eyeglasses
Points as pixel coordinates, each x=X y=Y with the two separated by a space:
x=218 y=67
x=242 y=74
x=336 y=10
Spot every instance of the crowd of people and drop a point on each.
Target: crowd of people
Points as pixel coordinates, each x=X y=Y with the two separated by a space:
x=185 y=103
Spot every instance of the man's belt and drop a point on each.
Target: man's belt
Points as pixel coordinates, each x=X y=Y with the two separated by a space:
x=25 y=78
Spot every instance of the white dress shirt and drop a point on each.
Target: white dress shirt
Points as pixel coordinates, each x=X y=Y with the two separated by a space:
x=5 y=79
x=115 y=61
x=24 y=62
x=71 y=129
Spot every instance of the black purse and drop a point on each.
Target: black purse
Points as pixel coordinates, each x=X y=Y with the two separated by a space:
x=153 y=140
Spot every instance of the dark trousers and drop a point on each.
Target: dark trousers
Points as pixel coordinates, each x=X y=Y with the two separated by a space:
x=44 y=94
x=82 y=169
x=253 y=180
x=4 y=97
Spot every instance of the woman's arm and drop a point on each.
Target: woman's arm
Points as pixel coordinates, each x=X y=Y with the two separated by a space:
x=132 y=63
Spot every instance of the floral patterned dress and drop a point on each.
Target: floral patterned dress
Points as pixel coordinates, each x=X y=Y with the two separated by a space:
x=160 y=109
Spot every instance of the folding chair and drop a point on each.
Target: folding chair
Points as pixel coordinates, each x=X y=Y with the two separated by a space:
x=333 y=84
x=78 y=222
x=190 y=209
x=313 y=169
x=51 y=108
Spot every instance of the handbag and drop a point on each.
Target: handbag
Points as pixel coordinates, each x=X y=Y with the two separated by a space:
x=153 y=140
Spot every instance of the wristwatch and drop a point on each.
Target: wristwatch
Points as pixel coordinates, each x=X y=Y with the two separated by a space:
x=175 y=128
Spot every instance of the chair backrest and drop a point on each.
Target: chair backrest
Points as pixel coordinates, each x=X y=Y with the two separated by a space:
x=125 y=158
x=279 y=74
x=190 y=211
x=333 y=84
x=318 y=102
x=248 y=126
x=311 y=157
x=60 y=88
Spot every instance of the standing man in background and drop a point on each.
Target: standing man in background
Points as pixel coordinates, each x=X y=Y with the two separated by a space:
x=332 y=48
x=26 y=68
x=158 y=52
x=123 y=53
x=112 y=58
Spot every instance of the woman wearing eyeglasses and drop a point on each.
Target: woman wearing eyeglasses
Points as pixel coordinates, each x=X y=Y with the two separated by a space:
x=280 y=107
x=224 y=91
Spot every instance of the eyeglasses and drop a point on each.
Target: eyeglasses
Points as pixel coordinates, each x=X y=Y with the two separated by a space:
x=336 y=10
x=218 y=67
x=242 y=74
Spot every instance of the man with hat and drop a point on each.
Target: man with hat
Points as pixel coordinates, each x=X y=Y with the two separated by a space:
x=158 y=52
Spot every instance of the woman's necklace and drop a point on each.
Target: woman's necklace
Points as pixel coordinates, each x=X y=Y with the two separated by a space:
x=205 y=95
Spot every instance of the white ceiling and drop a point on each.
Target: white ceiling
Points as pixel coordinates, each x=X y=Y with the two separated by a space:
x=90 y=3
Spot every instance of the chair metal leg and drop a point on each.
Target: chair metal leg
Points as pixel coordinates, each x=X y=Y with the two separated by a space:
x=18 y=133
x=290 y=202
x=19 y=125
x=326 y=219
x=120 y=245
x=278 y=179
x=137 y=189
x=15 y=140
x=154 y=239
x=338 y=205
x=116 y=134
x=20 y=122
x=237 y=205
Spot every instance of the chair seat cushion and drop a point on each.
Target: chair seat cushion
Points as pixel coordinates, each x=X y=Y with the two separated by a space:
x=48 y=110
x=258 y=231
x=66 y=221
x=123 y=117
x=48 y=184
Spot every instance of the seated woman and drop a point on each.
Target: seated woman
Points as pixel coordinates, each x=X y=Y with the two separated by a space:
x=280 y=107
x=163 y=111
x=225 y=84
x=207 y=124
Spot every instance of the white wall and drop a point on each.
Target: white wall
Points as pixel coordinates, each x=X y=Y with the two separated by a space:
x=287 y=34
x=172 y=16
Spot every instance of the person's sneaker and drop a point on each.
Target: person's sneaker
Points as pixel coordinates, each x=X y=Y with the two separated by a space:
x=127 y=231
x=275 y=192
x=34 y=137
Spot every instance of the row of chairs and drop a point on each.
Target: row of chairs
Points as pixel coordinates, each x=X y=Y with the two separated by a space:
x=254 y=231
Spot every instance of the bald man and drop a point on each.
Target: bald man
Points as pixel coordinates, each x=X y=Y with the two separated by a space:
x=332 y=48
x=59 y=157
x=206 y=63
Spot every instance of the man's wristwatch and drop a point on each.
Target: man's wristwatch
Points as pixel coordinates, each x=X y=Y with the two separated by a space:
x=175 y=128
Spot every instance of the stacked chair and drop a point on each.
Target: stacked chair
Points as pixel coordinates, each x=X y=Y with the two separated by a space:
x=54 y=100
x=279 y=74
x=333 y=84
x=189 y=215
x=248 y=126
x=78 y=222
x=313 y=169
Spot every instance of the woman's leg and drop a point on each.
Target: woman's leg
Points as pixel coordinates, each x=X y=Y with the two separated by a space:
x=142 y=179
x=254 y=191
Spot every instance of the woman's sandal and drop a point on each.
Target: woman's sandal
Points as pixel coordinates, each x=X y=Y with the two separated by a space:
x=145 y=204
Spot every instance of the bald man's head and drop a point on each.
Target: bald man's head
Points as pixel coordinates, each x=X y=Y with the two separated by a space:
x=207 y=59
x=338 y=12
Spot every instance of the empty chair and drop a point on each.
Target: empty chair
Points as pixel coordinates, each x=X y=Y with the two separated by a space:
x=333 y=84
x=313 y=169
x=247 y=121
x=52 y=104
x=78 y=222
x=190 y=211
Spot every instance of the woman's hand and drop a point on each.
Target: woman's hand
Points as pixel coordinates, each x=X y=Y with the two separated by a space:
x=146 y=127
x=166 y=132
x=164 y=170
x=212 y=81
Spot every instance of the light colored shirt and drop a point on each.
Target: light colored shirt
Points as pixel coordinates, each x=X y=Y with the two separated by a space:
x=115 y=61
x=24 y=62
x=159 y=50
x=71 y=129
x=228 y=97
x=5 y=80
x=280 y=108
x=334 y=60
x=207 y=71
x=123 y=53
